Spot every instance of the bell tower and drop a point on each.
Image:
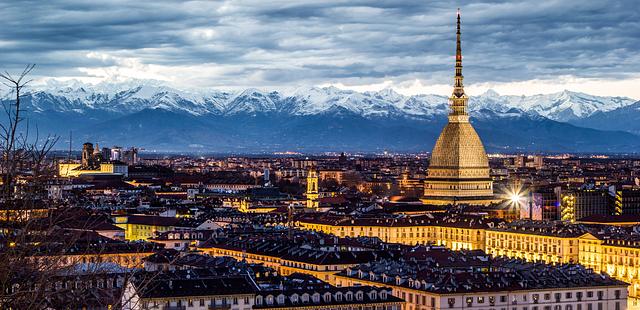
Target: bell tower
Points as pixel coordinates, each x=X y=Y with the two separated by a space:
x=312 y=188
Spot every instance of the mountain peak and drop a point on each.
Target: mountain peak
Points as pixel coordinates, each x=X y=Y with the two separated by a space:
x=490 y=93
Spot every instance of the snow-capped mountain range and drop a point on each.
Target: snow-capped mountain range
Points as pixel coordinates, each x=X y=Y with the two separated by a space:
x=103 y=111
x=563 y=106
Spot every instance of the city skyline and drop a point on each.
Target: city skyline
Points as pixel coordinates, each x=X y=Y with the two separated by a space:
x=522 y=47
x=137 y=193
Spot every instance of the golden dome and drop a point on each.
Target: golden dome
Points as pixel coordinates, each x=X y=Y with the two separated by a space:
x=459 y=153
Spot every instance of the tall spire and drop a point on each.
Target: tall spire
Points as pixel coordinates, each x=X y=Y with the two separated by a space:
x=458 y=90
x=458 y=100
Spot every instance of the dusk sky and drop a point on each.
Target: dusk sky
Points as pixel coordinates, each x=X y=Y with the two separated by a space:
x=514 y=47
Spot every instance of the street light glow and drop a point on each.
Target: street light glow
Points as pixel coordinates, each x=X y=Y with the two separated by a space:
x=516 y=198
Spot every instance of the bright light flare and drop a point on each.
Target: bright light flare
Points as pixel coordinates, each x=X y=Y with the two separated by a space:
x=514 y=196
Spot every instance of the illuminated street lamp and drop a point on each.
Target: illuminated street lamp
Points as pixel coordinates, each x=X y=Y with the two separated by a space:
x=517 y=197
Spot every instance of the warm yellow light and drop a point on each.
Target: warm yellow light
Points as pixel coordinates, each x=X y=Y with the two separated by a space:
x=515 y=198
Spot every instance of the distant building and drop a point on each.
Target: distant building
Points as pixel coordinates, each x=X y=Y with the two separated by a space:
x=130 y=156
x=87 y=156
x=545 y=202
x=116 y=153
x=106 y=153
x=75 y=169
x=579 y=203
x=143 y=227
x=520 y=161
x=538 y=161
x=627 y=201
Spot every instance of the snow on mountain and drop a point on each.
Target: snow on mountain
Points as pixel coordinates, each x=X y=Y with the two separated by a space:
x=125 y=98
x=251 y=101
x=563 y=106
x=171 y=119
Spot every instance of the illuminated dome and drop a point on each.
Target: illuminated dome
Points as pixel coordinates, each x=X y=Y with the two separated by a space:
x=459 y=167
x=459 y=153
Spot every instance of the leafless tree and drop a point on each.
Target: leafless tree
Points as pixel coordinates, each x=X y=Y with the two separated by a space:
x=35 y=250
x=9 y=131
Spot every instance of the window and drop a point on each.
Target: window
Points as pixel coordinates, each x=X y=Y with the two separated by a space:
x=359 y=296
x=451 y=302
x=469 y=301
x=480 y=299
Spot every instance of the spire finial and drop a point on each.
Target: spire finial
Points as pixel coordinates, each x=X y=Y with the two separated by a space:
x=458 y=90
x=458 y=20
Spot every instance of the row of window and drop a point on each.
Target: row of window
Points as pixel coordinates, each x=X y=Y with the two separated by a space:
x=201 y=302
x=546 y=297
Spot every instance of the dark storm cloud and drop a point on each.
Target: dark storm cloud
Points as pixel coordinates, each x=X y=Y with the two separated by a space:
x=267 y=43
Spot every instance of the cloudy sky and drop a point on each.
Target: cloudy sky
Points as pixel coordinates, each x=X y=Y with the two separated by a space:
x=514 y=47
